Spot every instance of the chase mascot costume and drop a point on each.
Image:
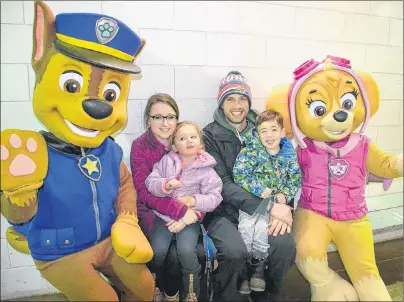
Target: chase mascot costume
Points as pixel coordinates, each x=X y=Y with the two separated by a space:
x=69 y=187
x=323 y=106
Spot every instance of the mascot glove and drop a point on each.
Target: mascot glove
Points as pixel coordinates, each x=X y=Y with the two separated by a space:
x=129 y=241
x=24 y=164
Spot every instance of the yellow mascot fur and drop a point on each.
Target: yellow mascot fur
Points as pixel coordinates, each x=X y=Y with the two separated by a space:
x=322 y=108
x=68 y=189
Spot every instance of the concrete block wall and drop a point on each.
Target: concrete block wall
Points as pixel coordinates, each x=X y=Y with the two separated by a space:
x=192 y=45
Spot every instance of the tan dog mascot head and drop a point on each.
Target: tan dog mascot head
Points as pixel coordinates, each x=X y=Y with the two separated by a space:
x=326 y=102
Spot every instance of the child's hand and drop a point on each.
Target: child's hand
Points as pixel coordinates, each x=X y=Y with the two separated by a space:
x=188 y=200
x=267 y=192
x=280 y=198
x=173 y=184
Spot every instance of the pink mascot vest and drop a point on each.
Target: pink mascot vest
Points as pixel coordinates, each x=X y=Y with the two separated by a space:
x=334 y=177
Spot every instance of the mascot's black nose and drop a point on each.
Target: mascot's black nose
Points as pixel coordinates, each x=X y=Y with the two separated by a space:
x=97 y=109
x=340 y=116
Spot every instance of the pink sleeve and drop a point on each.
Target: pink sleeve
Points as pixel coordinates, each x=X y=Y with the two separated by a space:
x=157 y=179
x=141 y=167
x=211 y=193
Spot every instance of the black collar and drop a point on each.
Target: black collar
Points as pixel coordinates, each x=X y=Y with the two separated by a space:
x=60 y=145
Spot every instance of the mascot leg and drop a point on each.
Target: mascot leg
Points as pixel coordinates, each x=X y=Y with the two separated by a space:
x=313 y=235
x=354 y=241
x=134 y=280
x=77 y=275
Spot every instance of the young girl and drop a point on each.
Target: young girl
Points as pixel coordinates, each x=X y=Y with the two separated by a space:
x=187 y=175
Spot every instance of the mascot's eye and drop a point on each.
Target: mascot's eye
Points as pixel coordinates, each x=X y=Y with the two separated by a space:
x=71 y=81
x=317 y=108
x=348 y=100
x=111 y=92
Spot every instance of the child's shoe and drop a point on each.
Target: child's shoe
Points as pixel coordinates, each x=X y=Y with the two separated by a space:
x=257 y=281
x=157 y=295
x=175 y=298
x=245 y=287
x=191 y=283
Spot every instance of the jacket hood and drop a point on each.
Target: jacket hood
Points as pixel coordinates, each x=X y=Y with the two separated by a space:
x=219 y=117
x=252 y=141
x=203 y=160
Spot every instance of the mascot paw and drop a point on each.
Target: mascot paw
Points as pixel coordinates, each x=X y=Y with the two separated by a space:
x=129 y=241
x=337 y=290
x=24 y=163
x=17 y=241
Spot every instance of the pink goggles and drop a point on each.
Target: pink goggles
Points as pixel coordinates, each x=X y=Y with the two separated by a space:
x=306 y=70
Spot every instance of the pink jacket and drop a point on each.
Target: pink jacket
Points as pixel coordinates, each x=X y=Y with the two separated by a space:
x=146 y=151
x=198 y=180
x=334 y=177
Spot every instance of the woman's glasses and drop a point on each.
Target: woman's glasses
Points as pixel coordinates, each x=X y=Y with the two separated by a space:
x=160 y=118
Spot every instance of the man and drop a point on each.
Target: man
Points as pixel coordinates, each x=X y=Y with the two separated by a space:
x=223 y=139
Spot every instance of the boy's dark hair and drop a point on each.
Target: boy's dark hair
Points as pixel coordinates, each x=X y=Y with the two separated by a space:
x=269 y=115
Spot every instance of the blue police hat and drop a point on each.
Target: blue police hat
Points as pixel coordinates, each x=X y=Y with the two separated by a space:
x=99 y=40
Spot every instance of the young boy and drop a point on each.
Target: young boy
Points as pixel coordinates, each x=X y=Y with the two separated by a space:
x=268 y=168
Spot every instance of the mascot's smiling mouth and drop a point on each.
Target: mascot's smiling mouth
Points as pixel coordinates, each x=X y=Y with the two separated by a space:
x=336 y=133
x=81 y=130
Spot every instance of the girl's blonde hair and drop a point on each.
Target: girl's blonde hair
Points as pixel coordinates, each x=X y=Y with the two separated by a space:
x=183 y=124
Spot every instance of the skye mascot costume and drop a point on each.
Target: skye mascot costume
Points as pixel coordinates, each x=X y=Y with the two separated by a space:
x=67 y=189
x=322 y=107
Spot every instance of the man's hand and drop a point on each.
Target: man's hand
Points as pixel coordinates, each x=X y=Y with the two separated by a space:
x=176 y=226
x=280 y=198
x=173 y=184
x=282 y=212
x=277 y=226
x=267 y=192
x=188 y=200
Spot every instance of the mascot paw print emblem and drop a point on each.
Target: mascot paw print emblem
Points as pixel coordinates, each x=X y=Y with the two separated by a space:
x=106 y=30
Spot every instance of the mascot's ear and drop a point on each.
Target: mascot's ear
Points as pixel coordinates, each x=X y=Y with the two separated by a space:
x=44 y=33
x=278 y=101
x=372 y=90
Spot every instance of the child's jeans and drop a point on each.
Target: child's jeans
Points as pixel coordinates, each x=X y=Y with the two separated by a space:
x=254 y=232
x=186 y=240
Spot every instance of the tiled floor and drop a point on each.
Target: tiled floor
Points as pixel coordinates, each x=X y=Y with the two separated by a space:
x=385 y=210
x=389 y=256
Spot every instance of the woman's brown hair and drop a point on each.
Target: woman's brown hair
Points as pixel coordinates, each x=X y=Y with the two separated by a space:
x=159 y=98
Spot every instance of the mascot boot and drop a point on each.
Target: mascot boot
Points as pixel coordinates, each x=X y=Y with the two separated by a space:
x=66 y=191
x=322 y=109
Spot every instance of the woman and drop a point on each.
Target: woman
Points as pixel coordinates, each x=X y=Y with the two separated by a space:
x=160 y=115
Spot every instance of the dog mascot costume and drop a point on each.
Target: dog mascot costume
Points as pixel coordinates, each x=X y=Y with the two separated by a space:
x=322 y=107
x=70 y=184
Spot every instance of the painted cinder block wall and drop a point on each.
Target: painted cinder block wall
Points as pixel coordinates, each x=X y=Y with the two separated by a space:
x=191 y=46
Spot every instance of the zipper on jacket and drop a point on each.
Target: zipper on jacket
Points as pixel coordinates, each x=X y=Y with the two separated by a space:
x=95 y=206
x=329 y=187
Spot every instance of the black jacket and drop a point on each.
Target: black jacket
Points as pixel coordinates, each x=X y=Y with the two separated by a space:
x=222 y=142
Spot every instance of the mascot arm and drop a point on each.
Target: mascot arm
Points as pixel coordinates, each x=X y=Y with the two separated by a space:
x=383 y=164
x=24 y=165
x=127 y=238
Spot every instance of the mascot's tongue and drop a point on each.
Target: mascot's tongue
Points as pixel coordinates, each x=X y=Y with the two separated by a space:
x=84 y=129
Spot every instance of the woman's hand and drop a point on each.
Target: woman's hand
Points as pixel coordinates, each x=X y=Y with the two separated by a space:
x=176 y=226
x=190 y=217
